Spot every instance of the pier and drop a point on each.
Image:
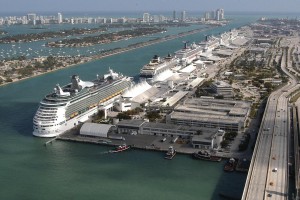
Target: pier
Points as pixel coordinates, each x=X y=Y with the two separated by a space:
x=143 y=142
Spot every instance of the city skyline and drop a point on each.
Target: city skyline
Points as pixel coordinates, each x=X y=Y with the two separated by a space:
x=135 y=5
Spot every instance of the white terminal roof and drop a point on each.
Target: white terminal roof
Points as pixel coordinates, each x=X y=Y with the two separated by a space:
x=213 y=58
x=175 y=98
x=92 y=129
x=137 y=90
x=224 y=52
x=240 y=41
x=199 y=62
x=146 y=95
x=163 y=76
x=190 y=68
x=196 y=82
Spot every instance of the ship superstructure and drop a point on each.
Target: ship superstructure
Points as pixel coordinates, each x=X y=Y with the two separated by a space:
x=210 y=43
x=227 y=37
x=188 y=53
x=73 y=103
x=157 y=66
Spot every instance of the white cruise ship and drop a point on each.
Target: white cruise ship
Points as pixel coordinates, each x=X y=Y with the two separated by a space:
x=210 y=44
x=64 y=108
x=188 y=53
x=157 y=66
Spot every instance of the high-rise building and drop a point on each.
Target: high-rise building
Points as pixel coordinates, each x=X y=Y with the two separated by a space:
x=183 y=16
x=212 y=15
x=207 y=15
x=24 y=20
x=31 y=16
x=59 y=18
x=162 y=18
x=174 y=15
x=146 y=17
x=218 y=15
x=222 y=13
x=156 y=18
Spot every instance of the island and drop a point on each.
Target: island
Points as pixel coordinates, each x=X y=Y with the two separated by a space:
x=105 y=38
x=29 y=37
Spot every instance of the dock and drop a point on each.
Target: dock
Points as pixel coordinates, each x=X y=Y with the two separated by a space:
x=141 y=142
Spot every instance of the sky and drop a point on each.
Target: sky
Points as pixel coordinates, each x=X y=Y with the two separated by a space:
x=148 y=5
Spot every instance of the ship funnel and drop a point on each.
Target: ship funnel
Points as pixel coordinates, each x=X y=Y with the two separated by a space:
x=60 y=92
x=75 y=83
x=185 y=44
x=111 y=75
x=207 y=37
x=155 y=59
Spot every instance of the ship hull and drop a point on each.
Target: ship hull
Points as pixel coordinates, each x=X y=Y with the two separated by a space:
x=73 y=104
x=57 y=130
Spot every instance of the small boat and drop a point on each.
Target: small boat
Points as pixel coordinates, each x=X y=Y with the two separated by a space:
x=230 y=165
x=120 y=148
x=204 y=155
x=170 y=153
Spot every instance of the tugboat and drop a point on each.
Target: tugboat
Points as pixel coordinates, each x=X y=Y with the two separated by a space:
x=205 y=155
x=120 y=148
x=230 y=165
x=171 y=153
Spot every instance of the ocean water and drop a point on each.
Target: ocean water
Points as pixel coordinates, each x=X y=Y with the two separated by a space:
x=64 y=170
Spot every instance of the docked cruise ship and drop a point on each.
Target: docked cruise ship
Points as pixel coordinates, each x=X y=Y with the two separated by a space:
x=157 y=66
x=210 y=44
x=188 y=53
x=227 y=37
x=73 y=103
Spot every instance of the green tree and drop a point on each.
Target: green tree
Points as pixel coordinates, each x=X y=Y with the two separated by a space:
x=224 y=143
x=50 y=62
x=123 y=115
x=153 y=115
x=268 y=85
x=26 y=71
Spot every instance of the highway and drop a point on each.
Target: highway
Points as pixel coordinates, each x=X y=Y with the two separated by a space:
x=268 y=173
x=296 y=117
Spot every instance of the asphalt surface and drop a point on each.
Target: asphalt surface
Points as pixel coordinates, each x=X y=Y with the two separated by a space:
x=268 y=174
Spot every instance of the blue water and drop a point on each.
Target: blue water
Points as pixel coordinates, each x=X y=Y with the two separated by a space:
x=64 y=170
x=36 y=48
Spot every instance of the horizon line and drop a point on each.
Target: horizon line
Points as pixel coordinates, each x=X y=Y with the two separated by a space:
x=155 y=11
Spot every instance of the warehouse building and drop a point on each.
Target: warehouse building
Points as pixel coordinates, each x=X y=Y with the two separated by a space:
x=95 y=130
x=222 y=88
x=211 y=113
x=201 y=138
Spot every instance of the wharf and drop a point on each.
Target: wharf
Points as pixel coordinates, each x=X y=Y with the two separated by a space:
x=142 y=142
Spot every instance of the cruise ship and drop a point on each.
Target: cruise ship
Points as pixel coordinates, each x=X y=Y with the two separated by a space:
x=227 y=37
x=188 y=53
x=73 y=103
x=210 y=44
x=157 y=66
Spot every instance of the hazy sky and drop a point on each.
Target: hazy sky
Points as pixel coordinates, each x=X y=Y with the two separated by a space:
x=149 y=5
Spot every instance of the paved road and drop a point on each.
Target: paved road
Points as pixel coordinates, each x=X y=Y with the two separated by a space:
x=296 y=118
x=268 y=173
